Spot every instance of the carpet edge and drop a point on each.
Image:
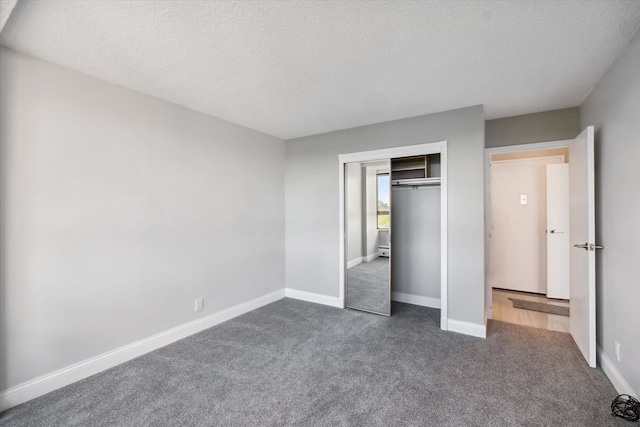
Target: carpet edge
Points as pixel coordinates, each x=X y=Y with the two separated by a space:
x=313 y=297
x=78 y=371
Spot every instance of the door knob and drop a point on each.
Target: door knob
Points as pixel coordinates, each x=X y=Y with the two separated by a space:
x=556 y=232
x=584 y=246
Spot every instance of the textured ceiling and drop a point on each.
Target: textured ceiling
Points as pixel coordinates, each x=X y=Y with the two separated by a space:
x=6 y=7
x=298 y=68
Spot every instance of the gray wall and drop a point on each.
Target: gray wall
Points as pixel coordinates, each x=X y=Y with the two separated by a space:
x=538 y=127
x=311 y=205
x=370 y=212
x=118 y=210
x=416 y=241
x=614 y=109
x=353 y=204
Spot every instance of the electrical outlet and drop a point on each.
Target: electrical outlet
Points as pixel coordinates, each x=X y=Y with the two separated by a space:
x=199 y=304
x=618 y=351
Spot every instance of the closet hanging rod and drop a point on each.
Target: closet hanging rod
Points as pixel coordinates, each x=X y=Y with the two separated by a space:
x=416 y=182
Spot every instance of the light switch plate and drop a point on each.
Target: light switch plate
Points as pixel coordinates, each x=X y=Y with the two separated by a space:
x=523 y=199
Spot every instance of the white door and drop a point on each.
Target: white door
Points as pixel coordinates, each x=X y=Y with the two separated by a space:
x=582 y=252
x=558 y=231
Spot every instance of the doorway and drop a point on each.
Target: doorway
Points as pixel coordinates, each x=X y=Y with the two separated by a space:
x=582 y=232
x=528 y=244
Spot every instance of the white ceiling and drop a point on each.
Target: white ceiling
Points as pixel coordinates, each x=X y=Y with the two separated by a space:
x=297 y=68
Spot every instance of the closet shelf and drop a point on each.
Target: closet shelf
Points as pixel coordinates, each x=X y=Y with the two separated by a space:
x=406 y=168
x=412 y=170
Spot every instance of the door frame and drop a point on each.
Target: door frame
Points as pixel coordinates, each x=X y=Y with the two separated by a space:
x=389 y=153
x=488 y=152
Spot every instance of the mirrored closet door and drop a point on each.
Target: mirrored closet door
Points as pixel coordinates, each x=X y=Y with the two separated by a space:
x=368 y=232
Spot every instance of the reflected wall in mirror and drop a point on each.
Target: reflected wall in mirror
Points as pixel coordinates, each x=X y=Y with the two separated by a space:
x=367 y=222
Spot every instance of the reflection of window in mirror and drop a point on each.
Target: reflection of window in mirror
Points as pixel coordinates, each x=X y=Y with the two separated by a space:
x=382 y=190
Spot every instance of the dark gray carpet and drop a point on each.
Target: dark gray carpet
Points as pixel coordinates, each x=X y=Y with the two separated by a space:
x=294 y=363
x=368 y=286
x=540 y=306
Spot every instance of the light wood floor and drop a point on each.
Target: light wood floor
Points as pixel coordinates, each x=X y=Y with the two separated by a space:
x=503 y=310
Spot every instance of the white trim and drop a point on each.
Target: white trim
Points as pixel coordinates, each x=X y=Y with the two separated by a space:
x=534 y=146
x=315 y=298
x=354 y=262
x=444 y=240
x=371 y=257
x=616 y=378
x=487 y=204
x=78 y=371
x=486 y=323
x=385 y=154
x=415 y=299
x=529 y=159
x=343 y=242
x=468 y=328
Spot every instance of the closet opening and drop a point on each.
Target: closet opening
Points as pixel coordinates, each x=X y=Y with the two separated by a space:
x=393 y=228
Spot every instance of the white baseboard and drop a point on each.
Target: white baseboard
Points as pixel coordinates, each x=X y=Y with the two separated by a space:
x=616 y=378
x=467 y=328
x=354 y=262
x=65 y=376
x=316 y=298
x=415 y=299
x=371 y=257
